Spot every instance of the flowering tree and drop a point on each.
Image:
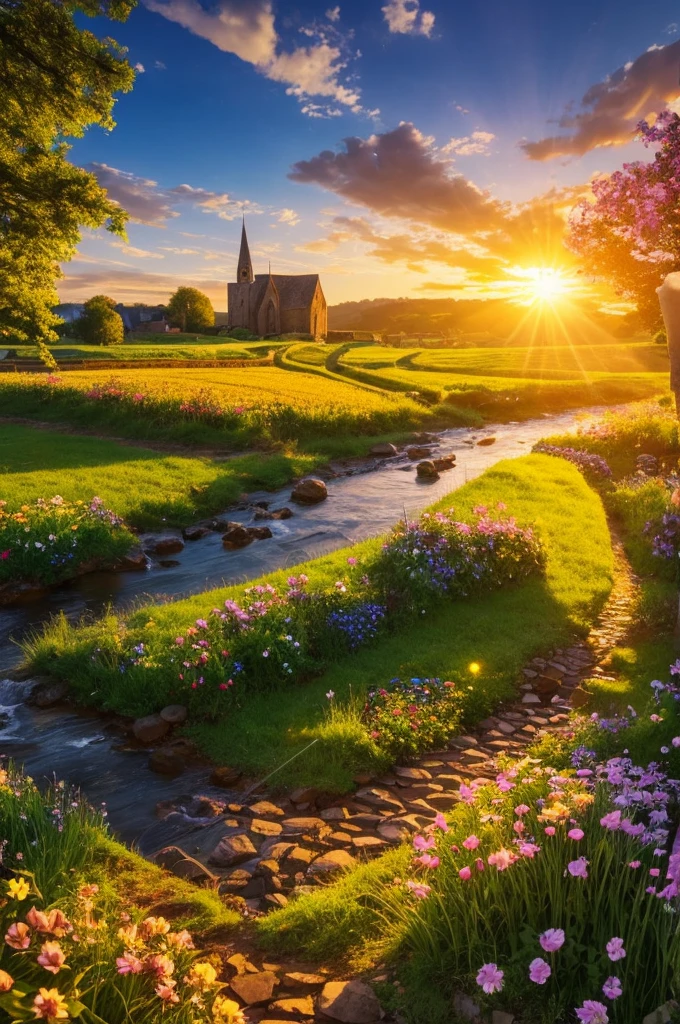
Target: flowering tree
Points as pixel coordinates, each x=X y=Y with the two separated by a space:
x=628 y=231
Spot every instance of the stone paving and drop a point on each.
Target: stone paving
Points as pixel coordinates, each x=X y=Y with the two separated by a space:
x=270 y=851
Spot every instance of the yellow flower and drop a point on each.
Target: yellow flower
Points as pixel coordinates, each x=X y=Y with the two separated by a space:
x=226 y=1011
x=75 y=526
x=202 y=976
x=49 y=1005
x=18 y=888
x=582 y=800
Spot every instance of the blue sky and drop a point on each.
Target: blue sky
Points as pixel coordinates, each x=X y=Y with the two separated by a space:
x=436 y=193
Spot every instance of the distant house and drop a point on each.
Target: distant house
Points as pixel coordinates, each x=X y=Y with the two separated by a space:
x=149 y=319
x=69 y=311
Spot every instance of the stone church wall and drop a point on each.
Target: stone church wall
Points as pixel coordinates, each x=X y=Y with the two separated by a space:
x=238 y=298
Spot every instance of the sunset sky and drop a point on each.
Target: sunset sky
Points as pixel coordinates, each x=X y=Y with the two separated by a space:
x=396 y=148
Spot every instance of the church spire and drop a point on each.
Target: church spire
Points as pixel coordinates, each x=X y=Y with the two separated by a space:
x=244 y=271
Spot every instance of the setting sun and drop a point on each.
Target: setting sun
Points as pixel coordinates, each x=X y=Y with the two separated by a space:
x=540 y=285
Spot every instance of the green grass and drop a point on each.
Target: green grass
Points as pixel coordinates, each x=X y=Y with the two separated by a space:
x=160 y=346
x=147 y=488
x=500 y=631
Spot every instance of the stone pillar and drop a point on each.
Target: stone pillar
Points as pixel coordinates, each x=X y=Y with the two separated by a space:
x=669 y=299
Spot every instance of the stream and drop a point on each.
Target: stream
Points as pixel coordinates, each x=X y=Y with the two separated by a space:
x=86 y=749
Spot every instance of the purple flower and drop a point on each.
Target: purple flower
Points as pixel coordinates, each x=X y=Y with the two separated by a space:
x=611 y=821
x=592 y=1012
x=615 y=950
x=552 y=940
x=490 y=979
x=578 y=868
x=612 y=988
x=539 y=971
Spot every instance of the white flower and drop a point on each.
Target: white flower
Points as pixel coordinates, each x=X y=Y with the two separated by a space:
x=330 y=694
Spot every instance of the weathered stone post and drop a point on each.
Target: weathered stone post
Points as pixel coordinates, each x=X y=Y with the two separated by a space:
x=669 y=298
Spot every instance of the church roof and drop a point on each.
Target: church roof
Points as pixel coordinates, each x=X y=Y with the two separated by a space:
x=296 y=291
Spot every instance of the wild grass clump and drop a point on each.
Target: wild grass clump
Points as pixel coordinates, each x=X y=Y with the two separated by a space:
x=543 y=894
x=51 y=539
x=75 y=947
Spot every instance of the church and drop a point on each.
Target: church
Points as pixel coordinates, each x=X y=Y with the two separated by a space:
x=269 y=304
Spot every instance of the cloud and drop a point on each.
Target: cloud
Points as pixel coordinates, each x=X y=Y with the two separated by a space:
x=135 y=286
x=159 y=65
x=399 y=174
x=610 y=110
x=178 y=251
x=287 y=216
x=131 y=250
x=406 y=18
x=672 y=29
x=246 y=28
x=141 y=197
x=313 y=71
x=148 y=203
x=333 y=14
x=140 y=68
x=470 y=145
x=242 y=27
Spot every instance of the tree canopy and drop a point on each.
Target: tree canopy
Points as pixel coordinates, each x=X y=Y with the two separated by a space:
x=628 y=231
x=190 y=310
x=56 y=80
x=100 y=324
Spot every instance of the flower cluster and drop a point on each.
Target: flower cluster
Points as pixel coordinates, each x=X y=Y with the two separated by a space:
x=666 y=539
x=590 y=464
x=272 y=635
x=439 y=554
x=359 y=624
x=407 y=716
x=597 y=839
x=49 y=539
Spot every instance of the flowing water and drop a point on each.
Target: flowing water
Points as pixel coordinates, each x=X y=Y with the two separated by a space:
x=87 y=750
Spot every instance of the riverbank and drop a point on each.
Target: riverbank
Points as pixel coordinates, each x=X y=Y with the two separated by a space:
x=267 y=726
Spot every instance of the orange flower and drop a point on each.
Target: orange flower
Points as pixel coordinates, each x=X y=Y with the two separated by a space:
x=181 y=940
x=154 y=926
x=675 y=496
x=6 y=981
x=159 y=965
x=18 y=936
x=166 y=991
x=38 y=920
x=49 y=1005
x=58 y=924
x=52 y=957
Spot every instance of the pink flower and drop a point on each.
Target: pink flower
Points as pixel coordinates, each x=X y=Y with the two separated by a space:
x=592 y=1012
x=18 y=935
x=550 y=830
x=521 y=810
x=179 y=640
x=471 y=843
x=502 y=859
x=428 y=861
x=615 y=950
x=634 y=864
x=578 y=868
x=490 y=979
x=539 y=971
x=465 y=874
x=440 y=822
x=479 y=864
x=654 y=872
x=528 y=850
x=421 y=844
x=576 y=833
x=611 y=821
x=129 y=964
x=552 y=940
x=612 y=988
x=52 y=958
x=351 y=561
x=467 y=795
x=676 y=741
x=419 y=889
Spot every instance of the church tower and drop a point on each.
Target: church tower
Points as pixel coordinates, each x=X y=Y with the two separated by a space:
x=244 y=272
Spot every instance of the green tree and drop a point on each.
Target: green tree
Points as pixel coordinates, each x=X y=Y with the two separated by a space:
x=100 y=324
x=190 y=310
x=56 y=80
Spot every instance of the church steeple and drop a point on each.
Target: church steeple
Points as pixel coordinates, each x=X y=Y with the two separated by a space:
x=244 y=271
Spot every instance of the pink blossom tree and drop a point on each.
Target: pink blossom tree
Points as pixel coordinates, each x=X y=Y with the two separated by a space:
x=628 y=231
